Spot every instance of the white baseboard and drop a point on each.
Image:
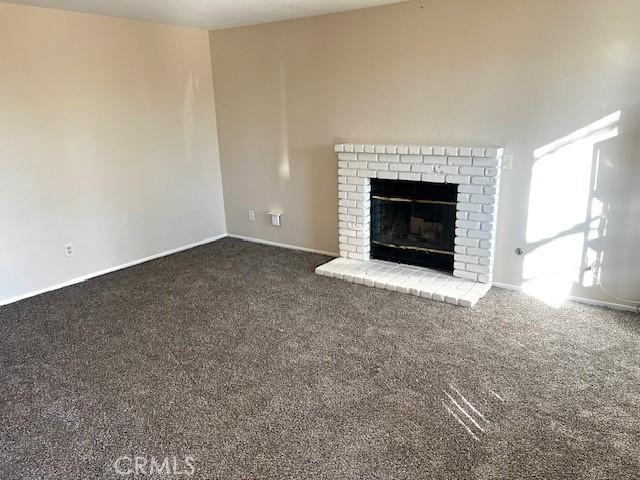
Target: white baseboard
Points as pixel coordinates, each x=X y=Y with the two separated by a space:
x=84 y=278
x=586 y=301
x=281 y=245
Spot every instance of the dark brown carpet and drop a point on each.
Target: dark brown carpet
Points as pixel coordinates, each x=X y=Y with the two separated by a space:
x=240 y=356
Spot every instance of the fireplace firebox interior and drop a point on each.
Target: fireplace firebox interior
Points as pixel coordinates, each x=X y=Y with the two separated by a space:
x=413 y=222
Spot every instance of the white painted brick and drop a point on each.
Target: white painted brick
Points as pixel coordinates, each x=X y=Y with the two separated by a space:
x=343 y=164
x=458 y=179
x=389 y=158
x=491 y=172
x=342 y=239
x=487 y=226
x=426 y=150
x=477 y=151
x=459 y=161
x=378 y=166
x=399 y=167
x=391 y=149
x=488 y=208
x=446 y=169
x=348 y=147
x=339 y=148
x=357 y=181
x=483 y=181
x=357 y=165
x=484 y=199
x=367 y=173
x=484 y=261
x=355 y=211
x=357 y=196
x=358 y=148
x=470 y=189
x=439 y=151
x=467 y=275
x=467 y=242
x=459 y=265
x=414 y=149
x=422 y=168
x=482 y=217
x=492 y=152
x=465 y=151
x=411 y=158
x=342 y=194
x=462 y=215
x=366 y=249
x=343 y=202
x=354 y=241
x=403 y=149
x=486 y=244
x=485 y=278
x=343 y=210
x=388 y=175
x=346 y=188
x=489 y=190
x=451 y=151
x=460 y=249
x=369 y=148
x=478 y=234
x=434 y=159
x=478 y=268
x=467 y=224
x=461 y=232
x=470 y=207
x=464 y=197
x=409 y=176
x=347 y=232
x=433 y=177
x=472 y=170
x=480 y=252
x=358 y=256
x=347 y=172
x=347 y=156
x=471 y=259
x=379 y=149
x=368 y=157
x=342 y=179
x=348 y=248
x=346 y=218
x=485 y=162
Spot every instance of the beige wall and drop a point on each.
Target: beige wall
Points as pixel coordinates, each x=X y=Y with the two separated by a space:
x=516 y=73
x=107 y=140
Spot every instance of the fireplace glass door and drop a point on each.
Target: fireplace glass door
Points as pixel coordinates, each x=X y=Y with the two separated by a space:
x=413 y=222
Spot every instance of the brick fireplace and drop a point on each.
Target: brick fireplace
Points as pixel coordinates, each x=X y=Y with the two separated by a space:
x=475 y=171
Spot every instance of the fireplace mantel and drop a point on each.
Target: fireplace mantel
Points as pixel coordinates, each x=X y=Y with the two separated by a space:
x=476 y=170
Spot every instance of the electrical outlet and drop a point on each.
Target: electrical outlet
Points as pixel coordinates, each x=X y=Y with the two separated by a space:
x=68 y=250
x=252 y=215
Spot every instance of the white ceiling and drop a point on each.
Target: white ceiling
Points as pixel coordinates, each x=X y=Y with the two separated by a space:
x=209 y=14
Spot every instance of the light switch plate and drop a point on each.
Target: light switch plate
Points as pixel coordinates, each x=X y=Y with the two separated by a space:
x=507 y=161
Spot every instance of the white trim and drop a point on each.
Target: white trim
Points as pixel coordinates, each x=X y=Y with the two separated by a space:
x=586 y=301
x=281 y=245
x=88 y=276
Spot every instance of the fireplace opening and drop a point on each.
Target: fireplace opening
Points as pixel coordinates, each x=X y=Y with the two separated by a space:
x=413 y=222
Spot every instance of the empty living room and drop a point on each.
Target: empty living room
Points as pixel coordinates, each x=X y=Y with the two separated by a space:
x=320 y=239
